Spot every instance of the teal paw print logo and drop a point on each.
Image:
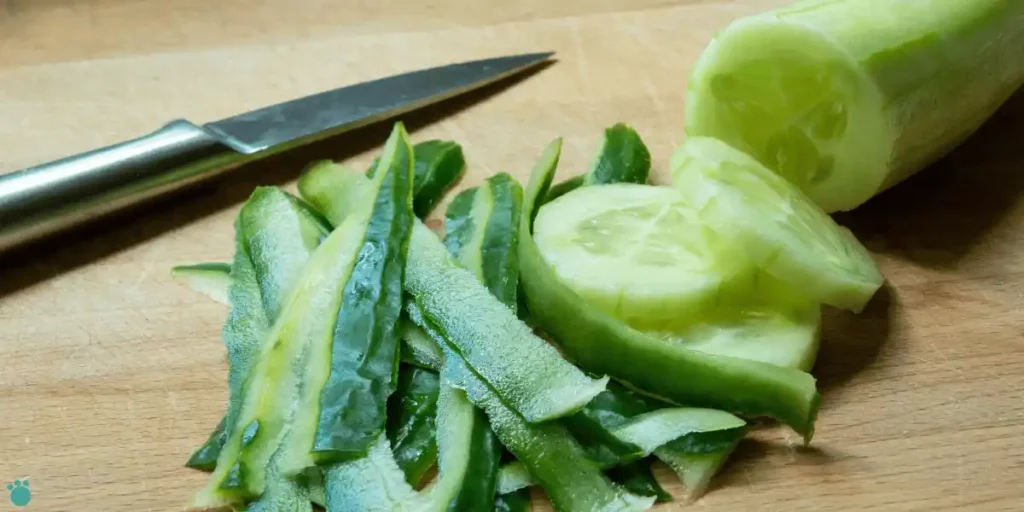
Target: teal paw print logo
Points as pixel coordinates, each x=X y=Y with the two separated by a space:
x=20 y=495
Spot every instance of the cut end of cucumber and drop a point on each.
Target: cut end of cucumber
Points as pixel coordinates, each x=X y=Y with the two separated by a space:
x=639 y=253
x=782 y=230
x=786 y=95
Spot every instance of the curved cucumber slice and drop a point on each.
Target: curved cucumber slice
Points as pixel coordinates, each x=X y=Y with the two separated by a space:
x=783 y=231
x=601 y=344
x=639 y=253
x=847 y=97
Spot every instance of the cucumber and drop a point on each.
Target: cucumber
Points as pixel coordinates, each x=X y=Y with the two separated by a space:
x=571 y=480
x=696 y=458
x=364 y=355
x=210 y=279
x=481 y=232
x=518 y=501
x=637 y=478
x=670 y=264
x=438 y=164
x=375 y=482
x=513 y=477
x=372 y=483
x=411 y=427
x=418 y=348
x=779 y=227
x=480 y=327
x=603 y=345
x=656 y=428
x=272 y=217
x=622 y=158
x=846 y=98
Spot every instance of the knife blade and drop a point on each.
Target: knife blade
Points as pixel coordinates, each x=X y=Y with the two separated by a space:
x=46 y=199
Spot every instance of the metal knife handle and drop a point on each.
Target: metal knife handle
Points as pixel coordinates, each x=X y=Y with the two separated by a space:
x=42 y=200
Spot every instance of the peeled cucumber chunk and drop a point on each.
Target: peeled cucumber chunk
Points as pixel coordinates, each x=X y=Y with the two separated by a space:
x=845 y=98
x=785 y=234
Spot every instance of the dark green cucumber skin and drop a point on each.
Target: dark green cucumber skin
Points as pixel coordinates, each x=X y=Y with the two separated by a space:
x=478 y=489
x=205 y=458
x=364 y=352
x=637 y=478
x=592 y=426
x=564 y=188
x=215 y=266
x=500 y=272
x=500 y=258
x=601 y=445
x=458 y=222
x=553 y=457
x=411 y=423
x=604 y=346
x=623 y=158
x=518 y=501
x=438 y=164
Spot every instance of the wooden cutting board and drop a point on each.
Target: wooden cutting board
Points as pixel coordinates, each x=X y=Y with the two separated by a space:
x=111 y=373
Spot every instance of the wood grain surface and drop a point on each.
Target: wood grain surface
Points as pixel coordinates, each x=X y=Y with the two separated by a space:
x=111 y=373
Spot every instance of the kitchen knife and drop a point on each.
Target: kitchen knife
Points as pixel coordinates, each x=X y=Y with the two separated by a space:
x=45 y=199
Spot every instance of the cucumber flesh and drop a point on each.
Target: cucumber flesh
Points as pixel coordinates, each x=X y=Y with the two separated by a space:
x=845 y=98
x=785 y=234
x=210 y=279
x=668 y=263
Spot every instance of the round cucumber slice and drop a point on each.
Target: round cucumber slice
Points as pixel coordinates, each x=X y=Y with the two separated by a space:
x=640 y=253
x=784 y=232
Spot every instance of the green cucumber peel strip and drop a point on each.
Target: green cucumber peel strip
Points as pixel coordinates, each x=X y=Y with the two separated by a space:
x=517 y=501
x=210 y=279
x=377 y=483
x=438 y=164
x=476 y=324
x=622 y=158
x=574 y=482
x=213 y=279
x=270 y=214
x=480 y=230
x=600 y=344
x=364 y=355
x=637 y=478
x=411 y=426
x=418 y=348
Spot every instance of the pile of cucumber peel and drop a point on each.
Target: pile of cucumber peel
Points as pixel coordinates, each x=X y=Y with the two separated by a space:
x=569 y=336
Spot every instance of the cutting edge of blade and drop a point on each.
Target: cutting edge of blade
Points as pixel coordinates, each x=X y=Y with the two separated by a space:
x=524 y=62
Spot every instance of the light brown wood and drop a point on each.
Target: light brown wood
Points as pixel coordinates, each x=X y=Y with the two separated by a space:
x=111 y=373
